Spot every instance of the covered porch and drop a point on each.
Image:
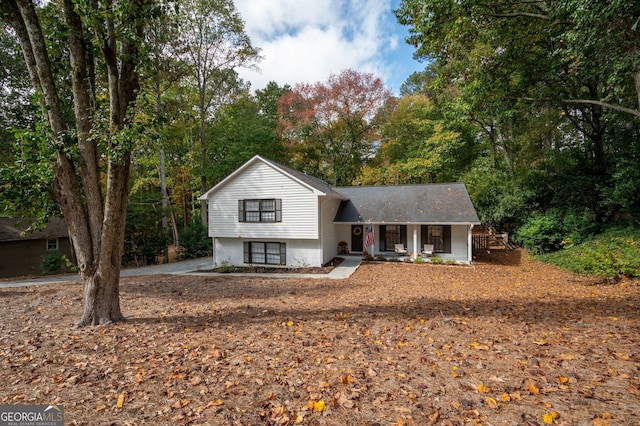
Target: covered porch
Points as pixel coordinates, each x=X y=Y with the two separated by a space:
x=448 y=242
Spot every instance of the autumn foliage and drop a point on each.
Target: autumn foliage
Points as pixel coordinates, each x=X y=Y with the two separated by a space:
x=331 y=127
x=506 y=341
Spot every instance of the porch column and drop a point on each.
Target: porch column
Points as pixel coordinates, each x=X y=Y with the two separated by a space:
x=213 y=253
x=470 y=244
x=415 y=241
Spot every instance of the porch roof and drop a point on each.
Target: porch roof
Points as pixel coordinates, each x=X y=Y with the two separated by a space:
x=442 y=203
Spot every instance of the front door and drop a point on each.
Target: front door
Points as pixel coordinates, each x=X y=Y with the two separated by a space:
x=356 y=238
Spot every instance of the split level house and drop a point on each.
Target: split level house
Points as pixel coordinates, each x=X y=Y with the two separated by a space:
x=266 y=213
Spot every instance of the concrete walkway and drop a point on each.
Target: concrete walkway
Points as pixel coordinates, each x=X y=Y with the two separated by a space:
x=342 y=271
x=200 y=267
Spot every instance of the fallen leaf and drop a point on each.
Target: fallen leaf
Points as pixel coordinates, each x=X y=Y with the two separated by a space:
x=532 y=388
x=549 y=417
x=491 y=403
x=482 y=388
x=346 y=379
x=120 y=401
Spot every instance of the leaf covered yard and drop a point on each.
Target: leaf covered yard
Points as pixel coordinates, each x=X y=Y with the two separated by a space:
x=508 y=341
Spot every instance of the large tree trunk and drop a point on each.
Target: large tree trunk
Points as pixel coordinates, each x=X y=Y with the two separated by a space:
x=96 y=221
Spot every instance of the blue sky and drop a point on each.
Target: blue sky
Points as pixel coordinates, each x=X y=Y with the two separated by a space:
x=304 y=41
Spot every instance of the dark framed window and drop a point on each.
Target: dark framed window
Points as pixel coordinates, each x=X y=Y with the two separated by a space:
x=268 y=253
x=390 y=235
x=438 y=235
x=265 y=210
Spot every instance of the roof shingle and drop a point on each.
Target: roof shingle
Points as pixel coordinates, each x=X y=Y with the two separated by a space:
x=442 y=203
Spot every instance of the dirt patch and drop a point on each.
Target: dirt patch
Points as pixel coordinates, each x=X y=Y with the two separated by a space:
x=509 y=341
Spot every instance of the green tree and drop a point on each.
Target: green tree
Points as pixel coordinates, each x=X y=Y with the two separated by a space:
x=17 y=107
x=417 y=147
x=546 y=101
x=211 y=42
x=92 y=199
x=242 y=129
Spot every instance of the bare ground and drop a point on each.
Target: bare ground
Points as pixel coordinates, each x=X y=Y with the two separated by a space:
x=509 y=341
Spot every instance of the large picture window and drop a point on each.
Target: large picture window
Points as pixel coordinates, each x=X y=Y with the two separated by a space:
x=438 y=235
x=265 y=210
x=269 y=253
x=390 y=235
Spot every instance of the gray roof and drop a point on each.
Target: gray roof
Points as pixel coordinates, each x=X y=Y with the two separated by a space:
x=11 y=229
x=441 y=203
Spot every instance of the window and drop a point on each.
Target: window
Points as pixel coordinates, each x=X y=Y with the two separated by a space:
x=390 y=235
x=52 y=244
x=265 y=253
x=267 y=210
x=435 y=237
x=438 y=235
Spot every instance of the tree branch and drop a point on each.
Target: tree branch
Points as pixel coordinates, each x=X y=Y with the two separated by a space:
x=634 y=112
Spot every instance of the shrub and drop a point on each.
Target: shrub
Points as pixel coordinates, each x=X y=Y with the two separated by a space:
x=381 y=258
x=194 y=241
x=541 y=233
x=51 y=262
x=418 y=260
x=612 y=253
x=436 y=260
x=554 y=230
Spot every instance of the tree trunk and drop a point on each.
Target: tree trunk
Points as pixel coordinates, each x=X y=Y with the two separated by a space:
x=203 y=158
x=165 y=203
x=96 y=222
x=636 y=79
x=101 y=299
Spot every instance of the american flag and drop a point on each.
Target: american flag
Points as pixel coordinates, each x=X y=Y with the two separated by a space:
x=369 y=240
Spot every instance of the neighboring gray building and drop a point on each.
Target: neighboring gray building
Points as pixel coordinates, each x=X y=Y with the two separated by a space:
x=20 y=255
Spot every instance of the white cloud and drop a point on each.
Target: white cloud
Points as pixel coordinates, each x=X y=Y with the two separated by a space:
x=307 y=40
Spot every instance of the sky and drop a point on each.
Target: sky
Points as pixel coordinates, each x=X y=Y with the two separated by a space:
x=305 y=41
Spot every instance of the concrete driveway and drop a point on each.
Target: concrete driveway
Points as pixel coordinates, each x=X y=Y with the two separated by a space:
x=194 y=266
x=175 y=268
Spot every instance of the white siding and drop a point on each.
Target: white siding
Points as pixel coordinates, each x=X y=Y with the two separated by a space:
x=459 y=244
x=260 y=181
x=300 y=253
x=329 y=240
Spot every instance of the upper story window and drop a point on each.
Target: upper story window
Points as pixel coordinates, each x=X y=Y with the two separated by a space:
x=265 y=210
